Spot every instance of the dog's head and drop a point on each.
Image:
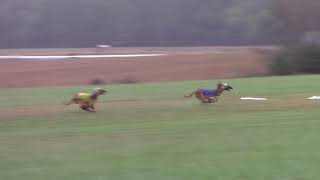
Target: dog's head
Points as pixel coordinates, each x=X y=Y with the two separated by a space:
x=224 y=86
x=100 y=91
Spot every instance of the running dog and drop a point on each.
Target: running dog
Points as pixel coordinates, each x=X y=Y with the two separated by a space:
x=87 y=101
x=209 y=95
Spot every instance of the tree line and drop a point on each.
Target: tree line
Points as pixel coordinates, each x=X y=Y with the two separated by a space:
x=83 y=23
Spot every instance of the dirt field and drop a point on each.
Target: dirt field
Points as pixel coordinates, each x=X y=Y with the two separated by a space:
x=178 y=64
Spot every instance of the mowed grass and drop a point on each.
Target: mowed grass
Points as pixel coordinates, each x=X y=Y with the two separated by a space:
x=149 y=131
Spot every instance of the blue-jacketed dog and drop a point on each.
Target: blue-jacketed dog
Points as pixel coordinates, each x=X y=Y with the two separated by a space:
x=210 y=95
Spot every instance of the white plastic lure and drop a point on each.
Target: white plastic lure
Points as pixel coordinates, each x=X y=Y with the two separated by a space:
x=314 y=98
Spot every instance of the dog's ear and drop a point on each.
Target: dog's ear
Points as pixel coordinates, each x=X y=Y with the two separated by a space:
x=219 y=84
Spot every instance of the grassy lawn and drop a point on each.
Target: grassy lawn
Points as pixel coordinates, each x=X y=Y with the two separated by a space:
x=148 y=131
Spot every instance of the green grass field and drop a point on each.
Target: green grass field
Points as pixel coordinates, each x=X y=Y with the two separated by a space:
x=148 y=131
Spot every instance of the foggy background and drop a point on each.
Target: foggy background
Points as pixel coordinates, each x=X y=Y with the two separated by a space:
x=85 y=23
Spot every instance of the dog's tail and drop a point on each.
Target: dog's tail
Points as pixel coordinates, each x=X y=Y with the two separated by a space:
x=190 y=95
x=72 y=100
x=193 y=93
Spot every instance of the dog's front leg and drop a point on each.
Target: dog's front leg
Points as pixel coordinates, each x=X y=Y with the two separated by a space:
x=92 y=108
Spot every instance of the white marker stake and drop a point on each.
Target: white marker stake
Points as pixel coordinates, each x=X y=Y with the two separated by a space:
x=253 y=99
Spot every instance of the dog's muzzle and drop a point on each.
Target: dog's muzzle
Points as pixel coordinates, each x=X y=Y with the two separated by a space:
x=228 y=88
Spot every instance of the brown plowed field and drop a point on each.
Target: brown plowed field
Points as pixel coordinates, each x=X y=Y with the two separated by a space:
x=178 y=66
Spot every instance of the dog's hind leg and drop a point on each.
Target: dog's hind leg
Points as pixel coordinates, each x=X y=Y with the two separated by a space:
x=86 y=107
x=204 y=99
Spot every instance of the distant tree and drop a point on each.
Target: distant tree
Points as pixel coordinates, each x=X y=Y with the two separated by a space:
x=296 y=18
x=251 y=21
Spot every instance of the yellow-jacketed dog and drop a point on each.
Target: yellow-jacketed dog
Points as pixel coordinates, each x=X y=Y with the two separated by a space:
x=87 y=101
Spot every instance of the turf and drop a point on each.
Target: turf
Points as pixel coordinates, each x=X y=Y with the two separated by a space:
x=148 y=131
